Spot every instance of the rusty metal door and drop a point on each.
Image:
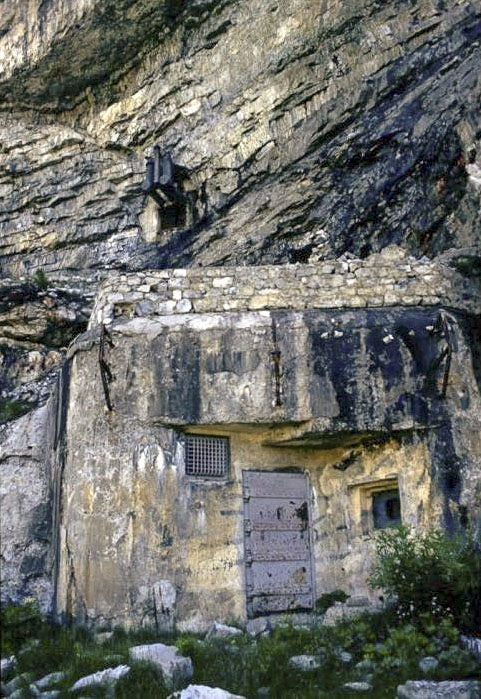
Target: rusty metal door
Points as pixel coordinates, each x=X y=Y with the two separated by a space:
x=277 y=542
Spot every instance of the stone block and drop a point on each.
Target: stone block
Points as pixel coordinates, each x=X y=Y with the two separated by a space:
x=102 y=678
x=183 y=306
x=257 y=302
x=304 y=662
x=222 y=282
x=175 y=668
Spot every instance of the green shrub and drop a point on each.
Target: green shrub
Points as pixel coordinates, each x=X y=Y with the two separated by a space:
x=328 y=599
x=18 y=622
x=435 y=573
x=404 y=646
x=40 y=279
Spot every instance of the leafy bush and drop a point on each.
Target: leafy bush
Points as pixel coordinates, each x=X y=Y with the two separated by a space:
x=19 y=622
x=404 y=646
x=435 y=573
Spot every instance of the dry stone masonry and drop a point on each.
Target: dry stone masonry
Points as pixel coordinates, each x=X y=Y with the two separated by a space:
x=390 y=278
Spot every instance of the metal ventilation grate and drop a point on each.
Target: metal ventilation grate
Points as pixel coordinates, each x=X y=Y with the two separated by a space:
x=206 y=456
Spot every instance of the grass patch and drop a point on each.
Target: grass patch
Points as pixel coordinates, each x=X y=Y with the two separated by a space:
x=389 y=650
x=11 y=409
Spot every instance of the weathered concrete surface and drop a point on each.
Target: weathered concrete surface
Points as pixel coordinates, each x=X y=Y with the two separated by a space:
x=356 y=412
x=339 y=370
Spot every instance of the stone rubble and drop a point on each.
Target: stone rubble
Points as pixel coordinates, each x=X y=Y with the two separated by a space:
x=428 y=664
x=49 y=680
x=7 y=665
x=304 y=662
x=107 y=677
x=421 y=689
x=16 y=683
x=218 y=630
x=357 y=686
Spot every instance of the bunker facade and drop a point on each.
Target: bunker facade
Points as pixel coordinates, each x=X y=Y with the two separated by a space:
x=229 y=440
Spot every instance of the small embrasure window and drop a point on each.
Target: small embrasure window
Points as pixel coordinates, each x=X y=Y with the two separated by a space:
x=207 y=457
x=386 y=509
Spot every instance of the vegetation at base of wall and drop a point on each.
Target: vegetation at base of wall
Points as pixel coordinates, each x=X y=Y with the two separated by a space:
x=434 y=574
x=377 y=648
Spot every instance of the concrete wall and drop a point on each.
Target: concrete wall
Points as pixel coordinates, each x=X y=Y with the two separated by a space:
x=136 y=527
x=142 y=543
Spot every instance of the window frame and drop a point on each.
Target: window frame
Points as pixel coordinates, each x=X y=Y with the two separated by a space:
x=206 y=476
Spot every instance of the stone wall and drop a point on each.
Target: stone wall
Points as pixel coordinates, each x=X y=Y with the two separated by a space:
x=389 y=278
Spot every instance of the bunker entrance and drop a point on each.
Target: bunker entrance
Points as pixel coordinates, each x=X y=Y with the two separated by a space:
x=277 y=542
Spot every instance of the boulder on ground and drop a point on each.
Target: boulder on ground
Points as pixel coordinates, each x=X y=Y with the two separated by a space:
x=218 y=630
x=7 y=665
x=16 y=683
x=260 y=626
x=103 y=637
x=200 y=691
x=103 y=677
x=357 y=686
x=48 y=680
x=304 y=662
x=345 y=657
x=175 y=668
x=423 y=689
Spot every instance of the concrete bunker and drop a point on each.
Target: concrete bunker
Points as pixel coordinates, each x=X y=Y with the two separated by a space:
x=238 y=471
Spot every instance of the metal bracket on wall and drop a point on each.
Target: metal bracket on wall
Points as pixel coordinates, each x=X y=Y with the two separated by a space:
x=276 y=362
x=105 y=373
x=441 y=328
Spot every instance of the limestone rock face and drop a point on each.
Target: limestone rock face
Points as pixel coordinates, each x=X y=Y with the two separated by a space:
x=308 y=129
x=25 y=510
